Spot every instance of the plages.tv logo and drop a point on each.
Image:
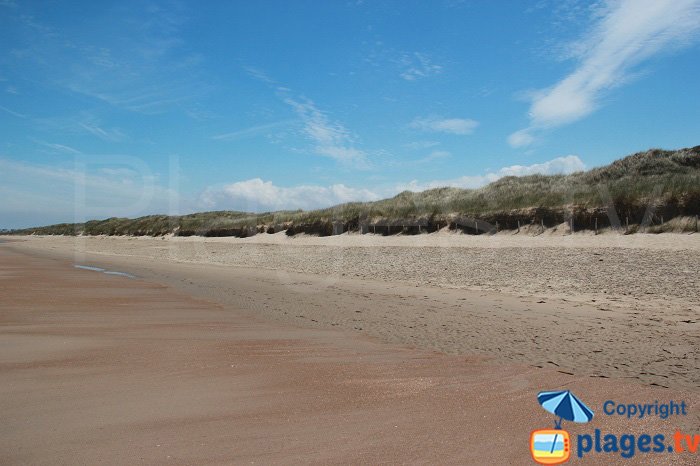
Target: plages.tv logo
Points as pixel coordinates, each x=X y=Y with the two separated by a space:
x=553 y=446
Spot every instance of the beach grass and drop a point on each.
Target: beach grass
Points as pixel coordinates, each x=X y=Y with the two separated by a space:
x=649 y=188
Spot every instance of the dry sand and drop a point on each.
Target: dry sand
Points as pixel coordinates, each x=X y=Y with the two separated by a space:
x=223 y=352
x=607 y=306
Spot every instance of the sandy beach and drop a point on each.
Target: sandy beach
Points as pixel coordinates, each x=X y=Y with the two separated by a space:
x=340 y=350
x=349 y=233
x=605 y=306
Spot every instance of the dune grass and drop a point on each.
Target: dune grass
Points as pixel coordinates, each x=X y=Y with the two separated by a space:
x=667 y=180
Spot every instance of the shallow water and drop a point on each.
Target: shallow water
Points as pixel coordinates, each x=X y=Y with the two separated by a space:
x=121 y=274
x=105 y=271
x=87 y=267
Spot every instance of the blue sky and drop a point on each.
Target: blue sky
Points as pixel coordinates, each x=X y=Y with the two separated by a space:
x=130 y=108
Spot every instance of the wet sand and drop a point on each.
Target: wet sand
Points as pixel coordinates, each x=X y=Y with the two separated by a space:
x=99 y=369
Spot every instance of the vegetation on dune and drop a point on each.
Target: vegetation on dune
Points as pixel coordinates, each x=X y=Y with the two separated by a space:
x=640 y=188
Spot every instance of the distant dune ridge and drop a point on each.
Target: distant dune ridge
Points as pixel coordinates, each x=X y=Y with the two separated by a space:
x=653 y=191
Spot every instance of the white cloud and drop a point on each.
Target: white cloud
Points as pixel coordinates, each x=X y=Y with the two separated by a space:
x=124 y=186
x=521 y=138
x=559 y=165
x=445 y=125
x=418 y=65
x=465 y=182
x=330 y=139
x=626 y=33
x=257 y=195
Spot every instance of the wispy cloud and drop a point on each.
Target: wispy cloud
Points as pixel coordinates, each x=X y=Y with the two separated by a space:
x=252 y=131
x=437 y=154
x=418 y=65
x=12 y=112
x=417 y=145
x=107 y=134
x=59 y=147
x=259 y=74
x=142 y=66
x=627 y=33
x=433 y=157
x=116 y=180
x=330 y=139
x=84 y=122
x=436 y=124
x=114 y=186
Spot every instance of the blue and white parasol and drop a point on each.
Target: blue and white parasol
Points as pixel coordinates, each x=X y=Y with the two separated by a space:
x=565 y=405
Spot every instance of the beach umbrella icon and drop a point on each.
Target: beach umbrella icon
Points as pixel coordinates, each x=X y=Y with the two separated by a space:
x=565 y=405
